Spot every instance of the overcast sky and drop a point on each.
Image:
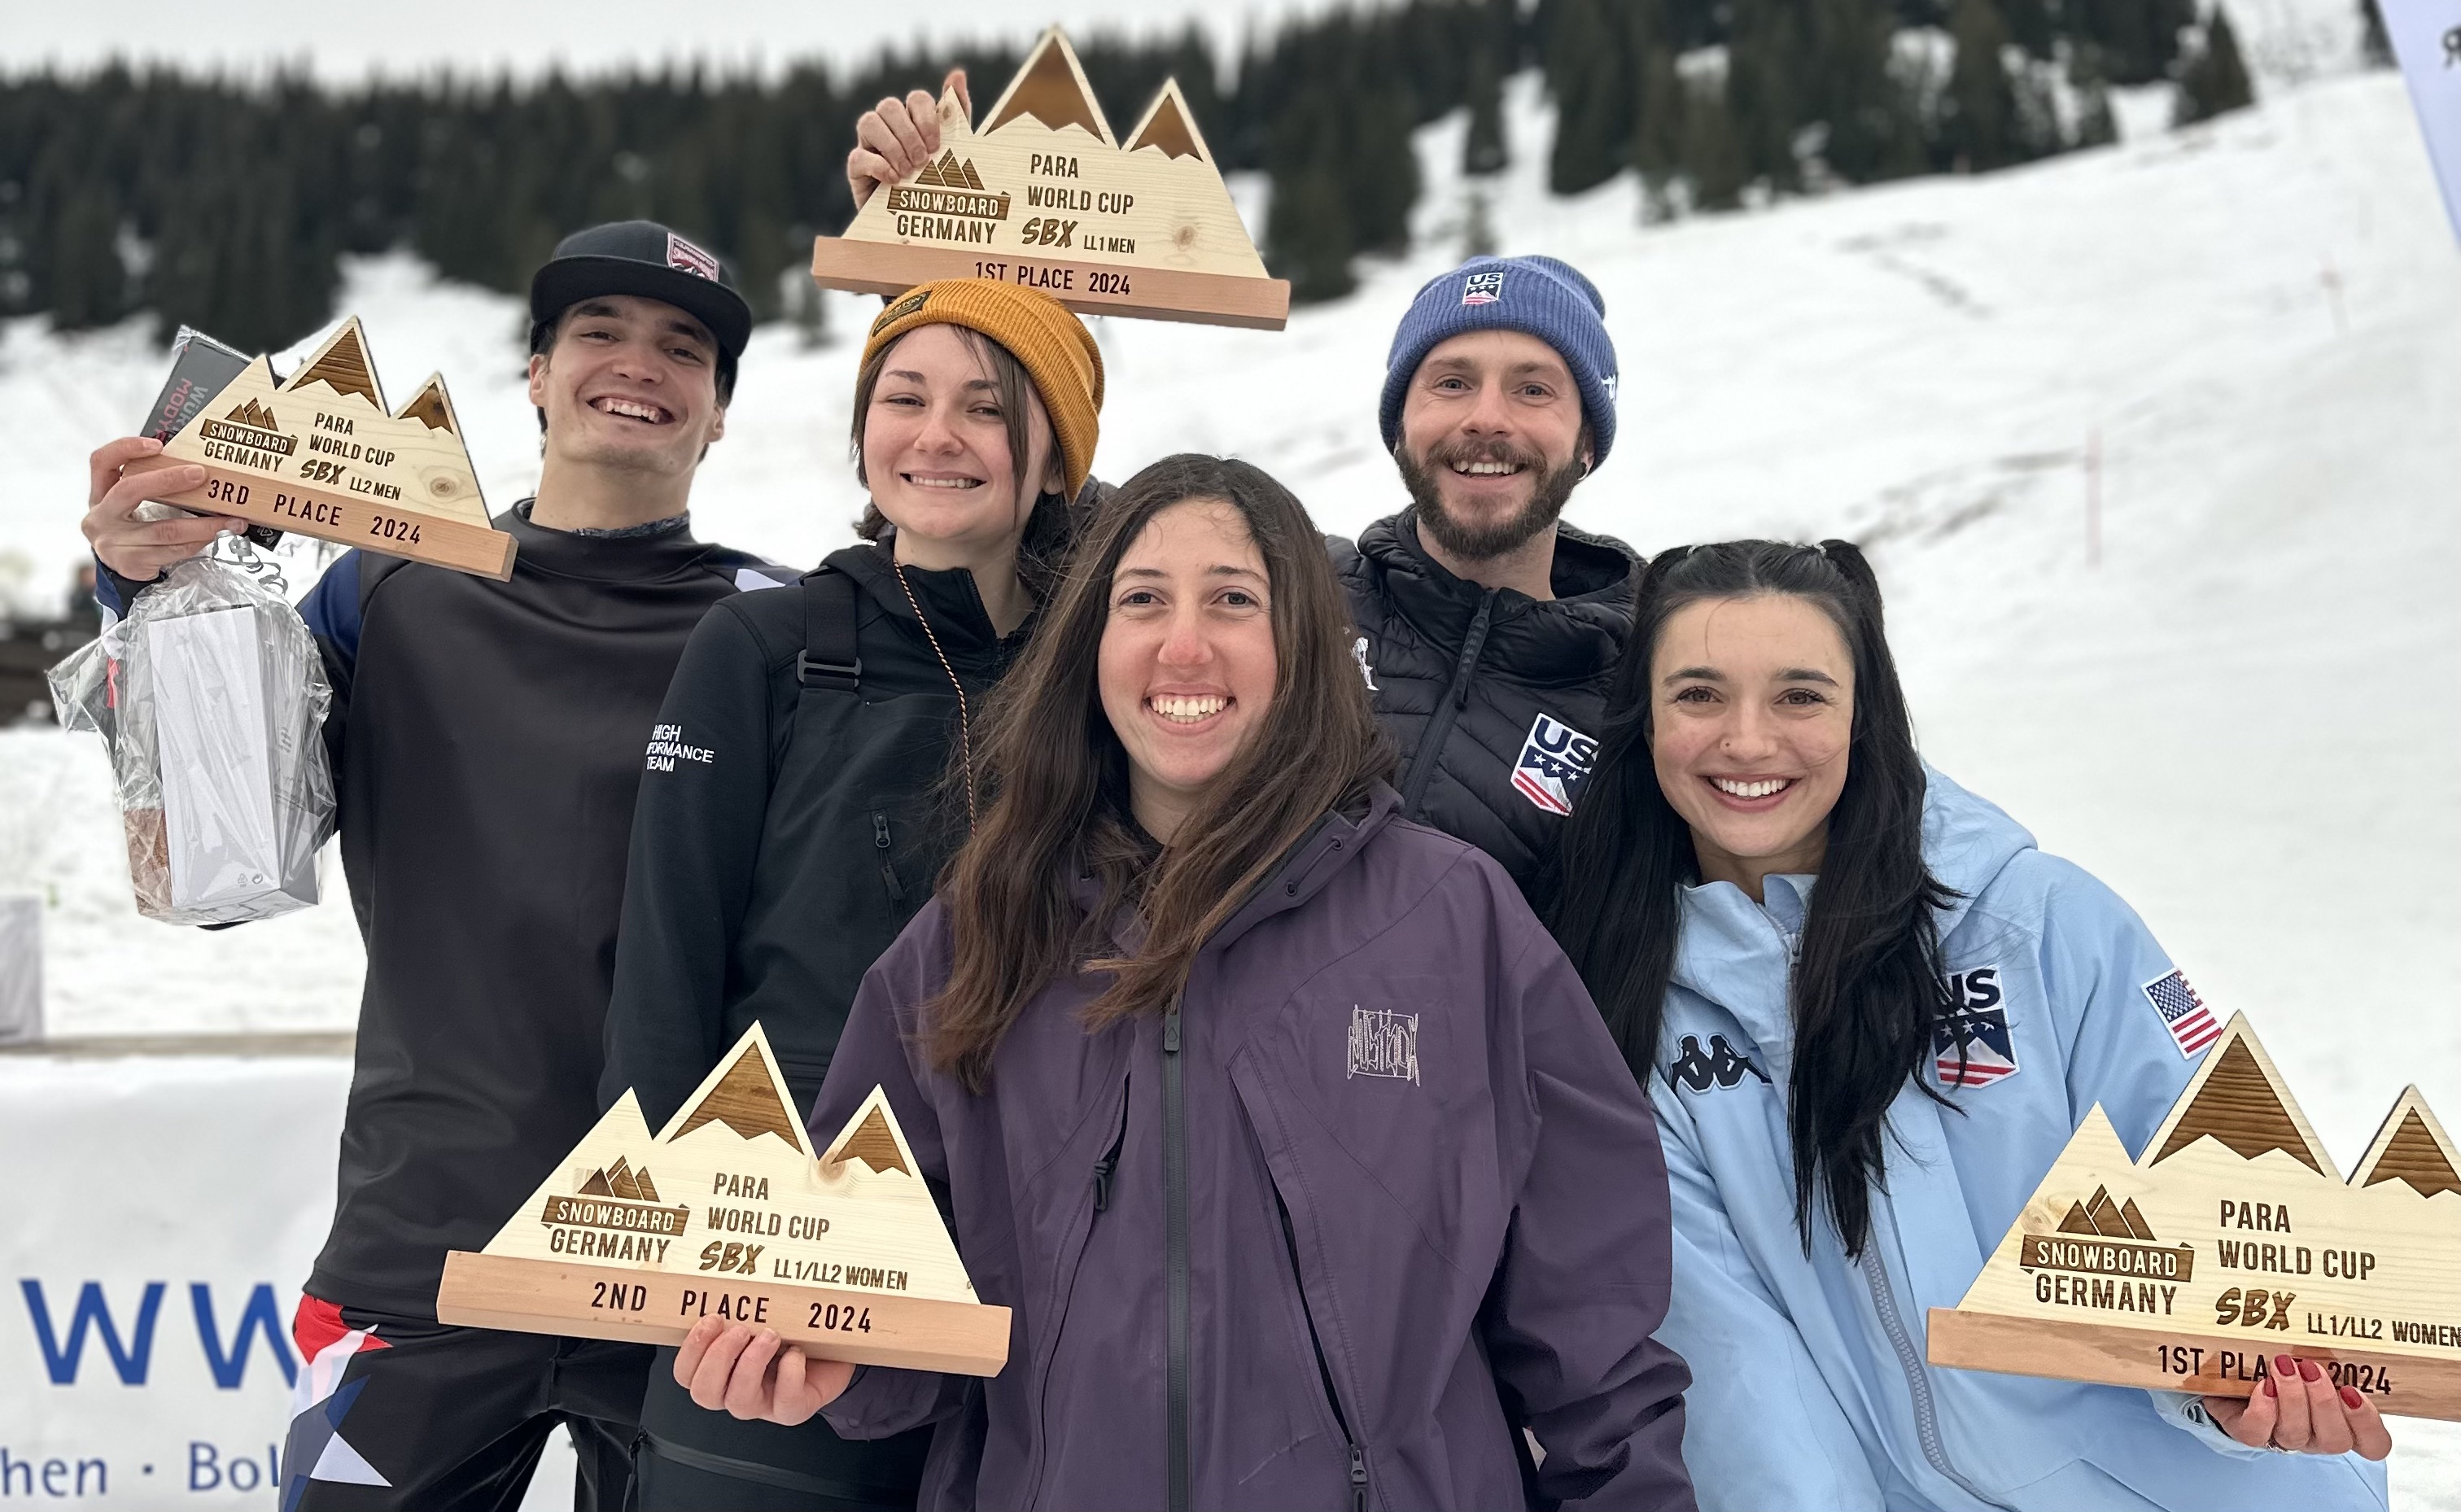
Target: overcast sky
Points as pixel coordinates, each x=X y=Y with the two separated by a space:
x=343 y=41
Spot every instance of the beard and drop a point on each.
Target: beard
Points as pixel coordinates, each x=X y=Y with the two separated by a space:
x=1549 y=487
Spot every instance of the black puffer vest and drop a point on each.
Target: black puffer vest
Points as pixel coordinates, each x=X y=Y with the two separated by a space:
x=1495 y=698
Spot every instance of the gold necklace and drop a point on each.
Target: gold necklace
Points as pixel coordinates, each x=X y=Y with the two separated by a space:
x=965 y=731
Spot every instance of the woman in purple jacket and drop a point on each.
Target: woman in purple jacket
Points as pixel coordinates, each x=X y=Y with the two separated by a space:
x=1290 y=1138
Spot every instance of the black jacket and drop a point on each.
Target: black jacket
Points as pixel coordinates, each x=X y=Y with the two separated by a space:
x=1494 y=698
x=486 y=743
x=786 y=833
x=791 y=831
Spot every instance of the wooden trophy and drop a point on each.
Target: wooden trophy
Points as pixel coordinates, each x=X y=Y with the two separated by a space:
x=2232 y=1242
x=1046 y=197
x=320 y=453
x=727 y=1214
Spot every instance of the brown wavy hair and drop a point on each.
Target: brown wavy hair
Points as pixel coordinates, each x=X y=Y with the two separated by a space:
x=1059 y=782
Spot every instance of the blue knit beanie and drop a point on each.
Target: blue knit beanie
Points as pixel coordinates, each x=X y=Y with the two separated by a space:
x=1539 y=297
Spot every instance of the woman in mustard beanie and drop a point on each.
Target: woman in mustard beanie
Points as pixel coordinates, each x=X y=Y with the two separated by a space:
x=813 y=765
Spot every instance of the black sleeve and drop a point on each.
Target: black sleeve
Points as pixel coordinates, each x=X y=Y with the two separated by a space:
x=695 y=834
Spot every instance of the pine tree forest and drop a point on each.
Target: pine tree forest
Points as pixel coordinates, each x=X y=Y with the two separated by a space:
x=227 y=204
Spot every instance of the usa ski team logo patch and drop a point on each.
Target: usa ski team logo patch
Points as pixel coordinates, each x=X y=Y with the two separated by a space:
x=2183 y=1014
x=1483 y=289
x=684 y=257
x=1971 y=1046
x=1554 y=760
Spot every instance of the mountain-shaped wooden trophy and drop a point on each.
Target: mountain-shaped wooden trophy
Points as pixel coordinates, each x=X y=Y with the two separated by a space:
x=1046 y=197
x=320 y=453
x=2233 y=1241
x=727 y=1214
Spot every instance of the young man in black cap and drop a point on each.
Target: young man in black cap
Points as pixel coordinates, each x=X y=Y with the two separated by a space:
x=487 y=740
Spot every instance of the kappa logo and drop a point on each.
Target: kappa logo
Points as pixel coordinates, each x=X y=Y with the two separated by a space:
x=1483 y=289
x=1556 y=761
x=1720 y=1065
x=684 y=257
x=1384 y=1043
x=1971 y=1046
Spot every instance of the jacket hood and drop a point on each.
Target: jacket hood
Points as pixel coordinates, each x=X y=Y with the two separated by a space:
x=1568 y=638
x=1738 y=954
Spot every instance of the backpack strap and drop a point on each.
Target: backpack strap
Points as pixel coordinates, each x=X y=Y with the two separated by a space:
x=829 y=659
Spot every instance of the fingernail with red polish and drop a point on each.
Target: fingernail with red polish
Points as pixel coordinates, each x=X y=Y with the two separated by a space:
x=2284 y=1364
x=2308 y=1371
x=2268 y=1387
x=2350 y=1399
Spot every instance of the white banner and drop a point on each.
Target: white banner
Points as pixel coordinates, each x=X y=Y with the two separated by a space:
x=2426 y=37
x=157 y=1218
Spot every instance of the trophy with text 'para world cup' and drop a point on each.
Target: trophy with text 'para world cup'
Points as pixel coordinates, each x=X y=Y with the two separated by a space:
x=319 y=453
x=1046 y=197
x=726 y=1213
x=2232 y=1240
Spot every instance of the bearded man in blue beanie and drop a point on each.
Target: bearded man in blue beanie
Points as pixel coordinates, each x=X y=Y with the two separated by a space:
x=1486 y=626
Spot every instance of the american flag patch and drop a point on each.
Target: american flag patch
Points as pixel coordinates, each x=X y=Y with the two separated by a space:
x=2183 y=1012
x=1971 y=1046
x=1483 y=289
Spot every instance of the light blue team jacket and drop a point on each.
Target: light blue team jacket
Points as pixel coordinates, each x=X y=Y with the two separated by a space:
x=1810 y=1387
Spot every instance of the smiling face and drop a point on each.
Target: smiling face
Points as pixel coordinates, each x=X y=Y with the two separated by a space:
x=631 y=384
x=1187 y=662
x=1752 y=712
x=1491 y=442
x=938 y=452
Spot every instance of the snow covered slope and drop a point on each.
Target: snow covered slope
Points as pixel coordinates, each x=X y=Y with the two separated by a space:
x=2241 y=717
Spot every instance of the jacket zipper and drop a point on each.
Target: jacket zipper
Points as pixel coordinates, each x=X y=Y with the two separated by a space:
x=1324 y=1372
x=1440 y=724
x=1174 y=1170
x=1926 y=1414
x=887 y=860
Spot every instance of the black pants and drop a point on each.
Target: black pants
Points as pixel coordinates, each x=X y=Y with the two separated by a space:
x=451 y=1417
x=692 y=1460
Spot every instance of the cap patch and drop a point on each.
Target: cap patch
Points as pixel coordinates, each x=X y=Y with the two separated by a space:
x=901 y=309
x=1483 y=288
x=684 y=257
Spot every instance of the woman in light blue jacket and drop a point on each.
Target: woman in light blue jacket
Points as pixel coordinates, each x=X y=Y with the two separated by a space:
x=1859 y=1084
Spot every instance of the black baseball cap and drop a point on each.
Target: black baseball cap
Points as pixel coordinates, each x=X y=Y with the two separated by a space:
x=648 y=260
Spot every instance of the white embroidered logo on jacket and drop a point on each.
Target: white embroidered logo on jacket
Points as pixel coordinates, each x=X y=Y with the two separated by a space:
x=1384 y=1043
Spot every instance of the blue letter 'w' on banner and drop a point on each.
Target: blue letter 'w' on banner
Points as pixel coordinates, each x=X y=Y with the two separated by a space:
x=259 y=1316
x=92 y=1312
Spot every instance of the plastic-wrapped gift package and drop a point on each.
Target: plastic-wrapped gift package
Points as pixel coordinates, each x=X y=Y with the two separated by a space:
x=211 y=698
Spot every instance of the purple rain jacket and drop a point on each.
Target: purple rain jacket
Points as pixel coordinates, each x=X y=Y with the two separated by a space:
x=1378 y=1183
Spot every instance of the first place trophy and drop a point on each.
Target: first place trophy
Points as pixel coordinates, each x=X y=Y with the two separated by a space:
x=2232 y=1242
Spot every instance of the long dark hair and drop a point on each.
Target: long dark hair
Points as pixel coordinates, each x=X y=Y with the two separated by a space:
x=1868 y=983
x=1051 y=527
x=1058 y=778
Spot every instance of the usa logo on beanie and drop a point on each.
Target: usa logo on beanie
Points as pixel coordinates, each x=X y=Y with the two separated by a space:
x=1483 y=289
